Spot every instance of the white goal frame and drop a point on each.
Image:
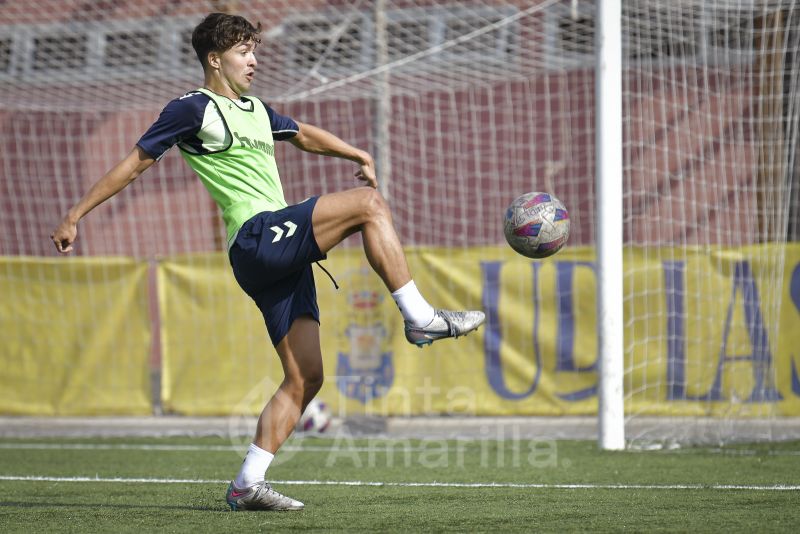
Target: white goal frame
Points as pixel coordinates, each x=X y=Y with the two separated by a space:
x=608 y=131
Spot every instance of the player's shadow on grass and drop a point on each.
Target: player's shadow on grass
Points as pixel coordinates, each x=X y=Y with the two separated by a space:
x=22 y=504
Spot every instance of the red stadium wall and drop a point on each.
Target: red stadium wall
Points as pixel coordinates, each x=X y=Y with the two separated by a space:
x=49 y=159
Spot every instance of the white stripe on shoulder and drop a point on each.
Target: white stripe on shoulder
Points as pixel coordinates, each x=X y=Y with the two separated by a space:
x=213 y=133
x=190 y=94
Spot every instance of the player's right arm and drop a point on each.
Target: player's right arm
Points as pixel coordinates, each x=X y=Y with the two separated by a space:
x=179 y=122
x=114 y=181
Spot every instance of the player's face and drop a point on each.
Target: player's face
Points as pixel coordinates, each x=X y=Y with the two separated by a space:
x=238 y=66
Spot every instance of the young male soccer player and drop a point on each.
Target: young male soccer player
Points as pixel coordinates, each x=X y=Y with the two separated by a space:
x=227 y=139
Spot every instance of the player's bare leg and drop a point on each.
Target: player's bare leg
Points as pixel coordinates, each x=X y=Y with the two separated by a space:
x=339 y=215
x=301 y=358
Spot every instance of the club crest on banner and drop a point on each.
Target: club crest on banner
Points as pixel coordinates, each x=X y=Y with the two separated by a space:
x=364 y=369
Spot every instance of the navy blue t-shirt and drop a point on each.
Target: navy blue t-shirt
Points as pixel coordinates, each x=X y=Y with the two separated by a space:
x=194 y=124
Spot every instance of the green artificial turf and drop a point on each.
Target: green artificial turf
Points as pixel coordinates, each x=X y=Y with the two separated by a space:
x=391 y=486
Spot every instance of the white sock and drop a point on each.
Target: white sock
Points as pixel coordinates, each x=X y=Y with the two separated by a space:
x=413 y=306
x=254 y=466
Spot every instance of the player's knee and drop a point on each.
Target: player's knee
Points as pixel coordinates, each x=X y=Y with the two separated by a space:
x=307 y=379
x=374 y=204
x=312 y=381
x=310 y=387
x=303 y=385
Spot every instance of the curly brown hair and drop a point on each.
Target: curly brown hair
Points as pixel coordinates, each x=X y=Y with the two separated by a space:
x=219 y=32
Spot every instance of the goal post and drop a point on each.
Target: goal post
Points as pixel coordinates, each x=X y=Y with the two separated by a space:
x=608 y=202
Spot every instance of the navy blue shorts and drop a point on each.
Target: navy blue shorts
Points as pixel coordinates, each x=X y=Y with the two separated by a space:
x=271 y=259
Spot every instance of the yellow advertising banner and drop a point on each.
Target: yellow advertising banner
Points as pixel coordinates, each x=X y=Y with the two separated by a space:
x=216 y=356
x=705 y=334
x=76 y=336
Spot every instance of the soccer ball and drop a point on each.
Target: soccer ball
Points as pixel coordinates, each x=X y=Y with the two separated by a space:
x=536 y=225
x=316 y=418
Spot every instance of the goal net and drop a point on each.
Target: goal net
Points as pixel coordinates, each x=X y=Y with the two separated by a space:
x=465 y=105
x=711 y=100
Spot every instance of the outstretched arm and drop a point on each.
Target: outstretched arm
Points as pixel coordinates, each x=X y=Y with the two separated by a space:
x=114 y=181
x=319 y=141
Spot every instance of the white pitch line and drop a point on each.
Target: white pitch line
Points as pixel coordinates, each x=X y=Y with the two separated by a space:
x=467 y=485
x=115 y=446
x=214 y=448
x=390 y=446
x=34 y=478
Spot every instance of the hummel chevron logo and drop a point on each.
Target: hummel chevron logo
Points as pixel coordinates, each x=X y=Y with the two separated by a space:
x=279 y=231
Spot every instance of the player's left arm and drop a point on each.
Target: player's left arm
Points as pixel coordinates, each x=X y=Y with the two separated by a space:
x=318 y=141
